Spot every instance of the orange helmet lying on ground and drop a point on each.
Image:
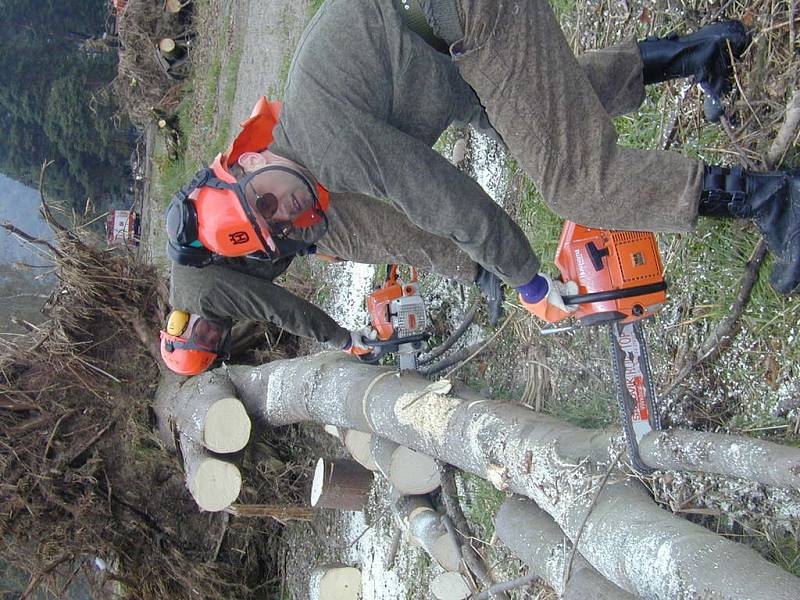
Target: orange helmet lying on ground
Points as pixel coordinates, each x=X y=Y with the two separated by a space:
x=213 y=215
x=190 y=344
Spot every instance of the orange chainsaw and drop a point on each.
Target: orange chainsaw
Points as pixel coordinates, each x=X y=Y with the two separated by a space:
x=620 y=282
x=398 y=317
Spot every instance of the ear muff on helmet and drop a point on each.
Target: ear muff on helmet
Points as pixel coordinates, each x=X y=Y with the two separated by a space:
x=189 y=256
x=183 y=246
x=177 y=322
x=183 y=361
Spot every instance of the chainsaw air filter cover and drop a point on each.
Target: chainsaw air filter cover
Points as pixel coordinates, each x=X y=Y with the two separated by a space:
x=619 y=273
x=396 y=309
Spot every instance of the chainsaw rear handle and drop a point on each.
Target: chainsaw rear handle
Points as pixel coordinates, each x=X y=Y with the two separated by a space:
x=639 y=290
x=384 y=347
x=391 y=274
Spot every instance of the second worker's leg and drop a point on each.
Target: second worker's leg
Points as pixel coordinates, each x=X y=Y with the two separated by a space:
x=366 y=230
x=542 y=103
x=619 y=73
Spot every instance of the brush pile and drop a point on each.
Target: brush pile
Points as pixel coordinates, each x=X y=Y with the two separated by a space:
x=146 y=86
x=88 y=491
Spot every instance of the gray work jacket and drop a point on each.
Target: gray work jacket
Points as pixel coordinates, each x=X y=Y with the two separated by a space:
x=365 y=100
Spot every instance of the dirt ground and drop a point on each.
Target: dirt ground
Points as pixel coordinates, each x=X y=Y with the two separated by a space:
x=521 y=365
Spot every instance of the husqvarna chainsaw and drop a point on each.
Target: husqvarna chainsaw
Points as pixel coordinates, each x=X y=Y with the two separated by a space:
x=398 y=317
x=621 y=282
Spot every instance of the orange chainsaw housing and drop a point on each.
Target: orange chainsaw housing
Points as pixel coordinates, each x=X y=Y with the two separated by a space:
x=609 y=265
x=379 y=302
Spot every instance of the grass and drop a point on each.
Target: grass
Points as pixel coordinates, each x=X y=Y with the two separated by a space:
x=313 y=7
x=786 y=553
x=480 y=502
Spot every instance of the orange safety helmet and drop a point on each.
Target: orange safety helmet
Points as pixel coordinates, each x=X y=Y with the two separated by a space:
x=211 y=215
x=190 y=343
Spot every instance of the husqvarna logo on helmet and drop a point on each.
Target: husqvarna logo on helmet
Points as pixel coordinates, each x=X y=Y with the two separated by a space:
x=239 y=237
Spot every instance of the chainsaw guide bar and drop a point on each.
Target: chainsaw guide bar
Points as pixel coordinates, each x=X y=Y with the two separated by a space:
x=636 y=395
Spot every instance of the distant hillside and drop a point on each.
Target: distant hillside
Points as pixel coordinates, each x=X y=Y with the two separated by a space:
x=55 y=67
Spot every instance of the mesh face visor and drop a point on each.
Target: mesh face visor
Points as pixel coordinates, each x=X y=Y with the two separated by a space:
x=204 y=335
x=266 y=209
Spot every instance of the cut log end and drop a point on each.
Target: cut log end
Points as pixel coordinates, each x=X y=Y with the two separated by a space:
x=335 y=583
x=358 y=445
x=215 y=485
x=334 y=431
x=173 y=6
x=450 y=586
x=166 y=45
x=412 y=472
x=227 y=426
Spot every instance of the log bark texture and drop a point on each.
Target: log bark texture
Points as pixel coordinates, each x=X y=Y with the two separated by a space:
x=734 y=456
x=626 y=537
x=532 y=535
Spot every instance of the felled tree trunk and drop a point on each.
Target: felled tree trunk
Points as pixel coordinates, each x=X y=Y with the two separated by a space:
x=625 y=536
x=198 y=415
x=534 y=537
x=735 y=456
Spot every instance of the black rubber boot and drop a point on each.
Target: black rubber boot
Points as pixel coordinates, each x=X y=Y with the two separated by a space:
x=703 y=55
x=772 y=201
x=493 y=289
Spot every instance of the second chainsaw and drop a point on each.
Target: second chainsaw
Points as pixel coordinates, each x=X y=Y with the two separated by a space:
x=399 y=320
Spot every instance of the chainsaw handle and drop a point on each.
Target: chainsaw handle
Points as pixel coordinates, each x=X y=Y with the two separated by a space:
x=391 y=274
x=639 y=290
x=384 y=347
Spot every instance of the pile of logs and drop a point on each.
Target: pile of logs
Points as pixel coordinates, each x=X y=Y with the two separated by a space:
x=208 y=426
x=580 y=522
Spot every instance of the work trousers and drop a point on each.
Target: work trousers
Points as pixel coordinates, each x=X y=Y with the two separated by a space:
x=554 y=111
x=363 y=229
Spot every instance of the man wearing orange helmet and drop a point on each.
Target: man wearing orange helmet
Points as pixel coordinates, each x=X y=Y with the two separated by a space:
x=367 y=97
x=242 y=288
x=238 y=224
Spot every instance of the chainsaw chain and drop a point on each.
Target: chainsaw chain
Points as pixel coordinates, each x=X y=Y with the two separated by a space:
x=625 y=400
